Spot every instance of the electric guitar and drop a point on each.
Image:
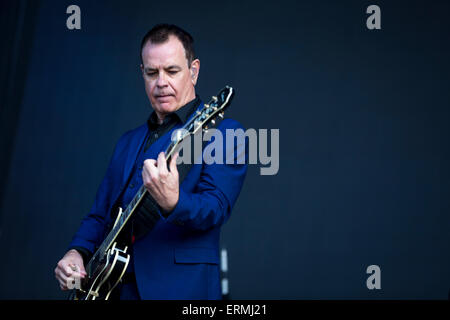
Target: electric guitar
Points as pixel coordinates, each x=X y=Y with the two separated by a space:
x=108 y=264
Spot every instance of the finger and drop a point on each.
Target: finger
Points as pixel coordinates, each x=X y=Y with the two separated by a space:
x=63 y=281
x=68 y=271
x=149 y=171
x=173 y=164
x=78 y=270
x=64 y=268
x=78 y=267
x=149 y=163
x=153 y=172
x=82 y=270
x=162 y=164
x=145 y=177
x=78 y=275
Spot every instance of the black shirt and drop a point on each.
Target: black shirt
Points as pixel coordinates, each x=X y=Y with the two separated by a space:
x=156 y=130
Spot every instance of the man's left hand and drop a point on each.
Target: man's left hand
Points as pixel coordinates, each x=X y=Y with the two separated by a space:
x=162 y=184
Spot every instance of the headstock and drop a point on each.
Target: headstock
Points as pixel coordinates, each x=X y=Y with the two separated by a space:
x=203 y=117
x=211 y=110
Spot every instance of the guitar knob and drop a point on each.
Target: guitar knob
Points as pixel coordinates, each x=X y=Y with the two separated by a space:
x=221 y=115
x=213 y=121
x=214 y=98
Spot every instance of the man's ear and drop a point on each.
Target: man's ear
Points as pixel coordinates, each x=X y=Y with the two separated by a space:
x=195 y=69
x=142 y=68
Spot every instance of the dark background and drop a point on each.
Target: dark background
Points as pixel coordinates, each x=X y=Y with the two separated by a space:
x=363 y=118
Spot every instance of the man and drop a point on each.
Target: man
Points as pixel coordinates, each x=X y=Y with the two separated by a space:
x=178 y=256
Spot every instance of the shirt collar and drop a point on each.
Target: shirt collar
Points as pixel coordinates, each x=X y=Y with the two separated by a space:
x=182 y=114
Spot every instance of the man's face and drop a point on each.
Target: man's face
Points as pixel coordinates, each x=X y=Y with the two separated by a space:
x=169 y=82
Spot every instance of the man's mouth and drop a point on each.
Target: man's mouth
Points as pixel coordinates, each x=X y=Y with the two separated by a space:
x=164 y=98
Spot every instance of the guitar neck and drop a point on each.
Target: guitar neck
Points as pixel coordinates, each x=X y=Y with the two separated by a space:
x=123 y=219
x=112 y=235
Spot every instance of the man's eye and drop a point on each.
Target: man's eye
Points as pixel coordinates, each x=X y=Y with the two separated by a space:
x=151 y=74
x=173 y=72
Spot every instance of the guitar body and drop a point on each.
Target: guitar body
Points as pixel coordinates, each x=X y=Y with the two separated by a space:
x=107 y=278
x=104 y=275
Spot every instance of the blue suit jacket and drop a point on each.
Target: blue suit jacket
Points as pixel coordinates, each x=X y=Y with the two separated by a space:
x=179 y=257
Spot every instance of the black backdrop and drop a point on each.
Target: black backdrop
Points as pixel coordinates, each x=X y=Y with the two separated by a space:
x=363 y=119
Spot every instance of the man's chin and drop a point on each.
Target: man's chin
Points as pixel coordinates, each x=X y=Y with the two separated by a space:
x=165 y=107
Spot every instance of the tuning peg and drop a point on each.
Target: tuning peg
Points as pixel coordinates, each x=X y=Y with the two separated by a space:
x=221 y=115
x=213 y=121
x=206 y=105
x=214 y=98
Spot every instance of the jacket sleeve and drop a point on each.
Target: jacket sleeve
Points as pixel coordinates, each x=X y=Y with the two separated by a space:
x=219 y=185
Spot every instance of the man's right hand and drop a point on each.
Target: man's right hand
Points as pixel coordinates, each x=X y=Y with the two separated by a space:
x=68 y=268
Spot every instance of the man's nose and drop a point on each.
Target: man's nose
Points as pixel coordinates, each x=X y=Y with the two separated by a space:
x=162 y=80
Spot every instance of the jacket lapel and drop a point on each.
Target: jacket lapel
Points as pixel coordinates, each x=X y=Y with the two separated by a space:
x=134 y=146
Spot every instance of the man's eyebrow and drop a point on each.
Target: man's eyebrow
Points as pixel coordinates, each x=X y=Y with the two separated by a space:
x=147 y=69
x=173 y=67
